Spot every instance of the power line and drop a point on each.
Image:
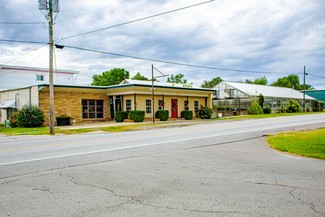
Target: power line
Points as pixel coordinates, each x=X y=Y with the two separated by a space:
x=20 y=23
x=22 y=41
x=24 y=54
x=171 y=62
x=136 y=20
x=1 y=6
x=157 y=60
x=319 y=76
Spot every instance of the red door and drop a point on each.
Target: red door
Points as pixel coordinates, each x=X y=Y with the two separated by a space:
x=174 y=108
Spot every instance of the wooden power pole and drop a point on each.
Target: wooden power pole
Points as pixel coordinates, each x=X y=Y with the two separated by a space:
x=51 y=48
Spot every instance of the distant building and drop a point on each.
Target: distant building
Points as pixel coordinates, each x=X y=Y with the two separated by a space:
x=12 y=77
x=317 y=94
x=240 y=95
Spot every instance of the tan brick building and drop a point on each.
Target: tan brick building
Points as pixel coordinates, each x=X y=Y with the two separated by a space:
x=90 y=104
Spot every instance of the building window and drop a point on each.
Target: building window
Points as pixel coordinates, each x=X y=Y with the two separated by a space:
x=128 y=105
x=39 y=77
x=161 y=104
x=196 y=106
x=186 y=105
x=148 y=106
x=92 y=108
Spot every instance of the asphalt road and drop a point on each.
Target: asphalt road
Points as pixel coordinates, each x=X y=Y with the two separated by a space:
x=215 y=169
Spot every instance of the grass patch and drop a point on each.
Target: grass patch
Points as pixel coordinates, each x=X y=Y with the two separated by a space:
x=24 y=131
x=304 y=143
x=40 y=131
x=76 y=131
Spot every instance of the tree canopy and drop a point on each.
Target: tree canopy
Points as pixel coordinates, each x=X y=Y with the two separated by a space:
x=178 y=79
x=111 y=77
x=140 y=77
x=291 y=81
x=261 y=81
x=212 y=83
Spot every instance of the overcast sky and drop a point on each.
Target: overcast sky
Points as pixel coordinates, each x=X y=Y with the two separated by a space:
x=279 y=36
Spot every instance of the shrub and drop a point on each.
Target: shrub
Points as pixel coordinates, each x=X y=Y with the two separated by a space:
x=137 y=116
x=293 y=106
x=255 y=109
x=162 y=115
x=30 y=116
x=205 y=113
x=267 y=110
x=188 y=115
x=261 y=100
x=120 y=116
x=13 y=119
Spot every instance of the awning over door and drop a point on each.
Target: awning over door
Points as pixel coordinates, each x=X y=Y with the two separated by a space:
x=11 y=103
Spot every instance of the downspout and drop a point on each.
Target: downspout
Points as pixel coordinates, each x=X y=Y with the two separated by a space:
x=30 y=95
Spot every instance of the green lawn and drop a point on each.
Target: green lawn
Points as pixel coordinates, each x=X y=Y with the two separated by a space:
x=304 y=143
x=40 y=131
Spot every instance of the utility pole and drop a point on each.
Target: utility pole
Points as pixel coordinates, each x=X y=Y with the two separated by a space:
x=50 y=6
x=153 y=95
x=153 y=89
x=304 y=89
x=51 y=48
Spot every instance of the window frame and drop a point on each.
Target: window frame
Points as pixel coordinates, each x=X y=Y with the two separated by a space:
x=92 y=108
x=196 y=106
x=148 y=106
x=39 y=77
x=128 y=105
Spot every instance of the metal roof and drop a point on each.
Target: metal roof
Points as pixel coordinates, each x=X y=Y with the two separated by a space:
x=11 y=103
x=268 y=91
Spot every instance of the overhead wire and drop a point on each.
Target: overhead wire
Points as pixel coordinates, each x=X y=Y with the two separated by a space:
x=172 y=62
x=24 y=54
x=1 y=6
x=136 y=20
x=156 y=60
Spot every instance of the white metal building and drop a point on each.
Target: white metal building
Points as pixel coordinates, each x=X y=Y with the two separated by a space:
x=240 y=95
x=12 y=77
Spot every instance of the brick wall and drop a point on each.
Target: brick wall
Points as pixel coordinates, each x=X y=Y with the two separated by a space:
x=70 y=104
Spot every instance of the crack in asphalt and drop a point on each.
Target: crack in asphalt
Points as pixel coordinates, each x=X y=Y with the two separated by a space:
x=293 y=188
x=194 y=210
x=311 y=205
x=134 y=200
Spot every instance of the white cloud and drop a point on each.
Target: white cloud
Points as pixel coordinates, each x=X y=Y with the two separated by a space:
x=279 y=36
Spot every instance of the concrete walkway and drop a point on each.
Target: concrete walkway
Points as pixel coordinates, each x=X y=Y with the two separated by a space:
x=173 y=122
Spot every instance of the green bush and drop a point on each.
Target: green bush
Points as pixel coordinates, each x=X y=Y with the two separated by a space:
x=30 y=116
x=205 y=113
x=293 y=106
x=137 y=116
x=267 y=110
x=162 y=115
x=121 y=116
x=13 y=119
x=255 y=109
x=188 y=115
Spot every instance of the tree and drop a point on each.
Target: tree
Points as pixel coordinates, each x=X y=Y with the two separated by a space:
x=212 y=83
x=178 y=79
x=140 y=77
x=261 y=81
x=291 y=81
x=111 y=77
